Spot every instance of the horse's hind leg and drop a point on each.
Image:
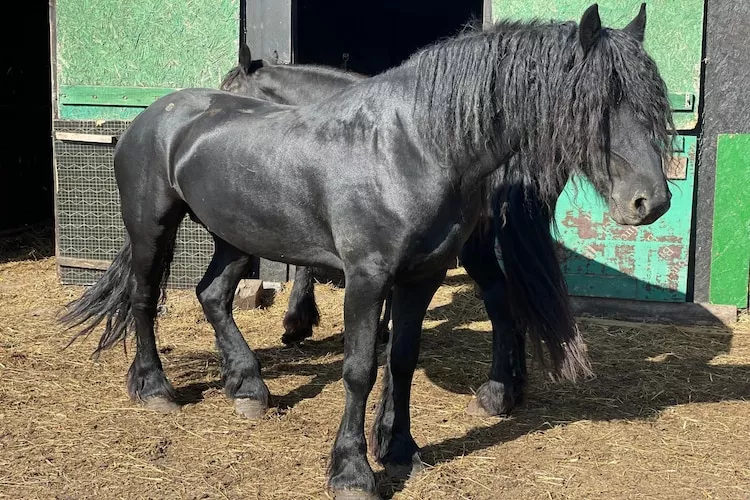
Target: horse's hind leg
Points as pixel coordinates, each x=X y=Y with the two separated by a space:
x=504 y=389
x=152 y=236
x=240 y=369
x=302 y=313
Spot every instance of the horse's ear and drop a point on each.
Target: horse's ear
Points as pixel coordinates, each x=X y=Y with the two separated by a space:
x=590 y=27
x=637 y=26
x=245 y=58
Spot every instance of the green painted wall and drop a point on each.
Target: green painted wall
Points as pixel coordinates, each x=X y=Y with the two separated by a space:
x=730 y=256
x=604 y=259
x=674 y=36
x=86 y=102
x=146 y=43
x=142 y=43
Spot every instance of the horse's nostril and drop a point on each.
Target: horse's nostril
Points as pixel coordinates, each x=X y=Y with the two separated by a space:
x=640 y=206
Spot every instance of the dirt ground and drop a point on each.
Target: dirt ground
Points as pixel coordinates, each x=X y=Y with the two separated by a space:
x=665 y=417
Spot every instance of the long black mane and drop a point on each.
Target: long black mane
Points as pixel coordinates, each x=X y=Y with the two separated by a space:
x=552 y=101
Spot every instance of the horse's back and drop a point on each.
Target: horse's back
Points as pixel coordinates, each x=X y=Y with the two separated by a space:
x=184 y=106
x=175 y=119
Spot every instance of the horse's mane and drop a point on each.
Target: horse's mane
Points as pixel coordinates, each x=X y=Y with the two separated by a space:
x=231 y=76
x=551 y=101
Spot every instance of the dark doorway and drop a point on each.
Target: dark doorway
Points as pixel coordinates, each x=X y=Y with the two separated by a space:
x=26 y=191
x=370 y=37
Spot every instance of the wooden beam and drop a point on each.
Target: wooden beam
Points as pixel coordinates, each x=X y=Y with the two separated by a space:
x=678 y=313
x=98 y=265
x=87 y=95
x=78 y=137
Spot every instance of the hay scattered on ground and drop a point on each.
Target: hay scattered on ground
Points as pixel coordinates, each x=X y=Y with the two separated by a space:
x=666 y=416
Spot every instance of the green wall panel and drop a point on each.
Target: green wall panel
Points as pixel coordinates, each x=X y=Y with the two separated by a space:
x=103 y=113
x=730 y=250
x=146 y=43
x=603 y=259
x=674 y=36
x=84 y=102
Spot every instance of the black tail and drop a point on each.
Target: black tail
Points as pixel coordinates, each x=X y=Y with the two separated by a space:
x=537 y=291
x=108 y=299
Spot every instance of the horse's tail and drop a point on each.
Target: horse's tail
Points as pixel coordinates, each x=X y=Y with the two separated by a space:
x=537 y=292
x=108 y=299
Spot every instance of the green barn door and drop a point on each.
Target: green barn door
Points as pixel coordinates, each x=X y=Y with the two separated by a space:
x=601 y=258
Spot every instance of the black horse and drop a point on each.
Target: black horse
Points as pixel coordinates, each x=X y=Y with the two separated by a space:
x=385 y=180
x=296 y=85
x=540 y=297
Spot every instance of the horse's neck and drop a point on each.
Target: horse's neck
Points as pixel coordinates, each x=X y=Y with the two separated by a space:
x=305 y=75
x=470 y=166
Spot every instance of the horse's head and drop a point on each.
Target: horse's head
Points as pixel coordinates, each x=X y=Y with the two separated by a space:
x=638 y=122
x=639 y=193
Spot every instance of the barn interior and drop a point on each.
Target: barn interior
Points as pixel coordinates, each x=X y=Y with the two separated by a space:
x=26 y=193
x=370 y=37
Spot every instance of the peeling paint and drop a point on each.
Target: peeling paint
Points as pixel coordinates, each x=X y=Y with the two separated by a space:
x=624 y=233
x=670 y=252
x=582 y=223
x=604 y=259
x=625 y=258
x=662 y=238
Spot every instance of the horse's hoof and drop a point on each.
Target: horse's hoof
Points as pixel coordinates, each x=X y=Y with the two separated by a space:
x=405 y=471
x=295 y=337
x=161 y=404
x=354 y=495
x=475 y=409
x=250 y=408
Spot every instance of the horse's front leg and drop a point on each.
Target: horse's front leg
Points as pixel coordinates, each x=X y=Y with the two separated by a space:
x=392 y=442
x=302 y=313
x=505 y=387
x=350 y=475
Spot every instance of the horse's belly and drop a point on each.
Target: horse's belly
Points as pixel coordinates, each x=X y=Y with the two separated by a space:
x=440 y=253
x=266 y=216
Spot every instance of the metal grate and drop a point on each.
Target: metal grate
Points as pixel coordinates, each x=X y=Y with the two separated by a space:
x=89 y=225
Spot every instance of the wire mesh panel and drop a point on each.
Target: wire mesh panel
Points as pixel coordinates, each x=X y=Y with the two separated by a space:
x=89 y=225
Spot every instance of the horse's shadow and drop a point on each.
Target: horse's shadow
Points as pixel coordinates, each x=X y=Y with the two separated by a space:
x=639 y=373
x=276 y=362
